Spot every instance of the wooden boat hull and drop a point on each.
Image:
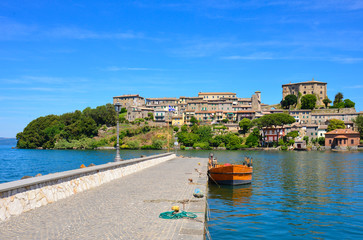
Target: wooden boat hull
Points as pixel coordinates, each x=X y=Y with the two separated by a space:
x=231 y=174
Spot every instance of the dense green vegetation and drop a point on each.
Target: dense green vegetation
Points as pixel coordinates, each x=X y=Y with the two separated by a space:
x=46 y=131
x=289 y=101
x=335 y=124
x=308 y=101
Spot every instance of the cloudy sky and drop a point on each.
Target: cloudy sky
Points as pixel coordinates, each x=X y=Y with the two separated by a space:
x=60 y=56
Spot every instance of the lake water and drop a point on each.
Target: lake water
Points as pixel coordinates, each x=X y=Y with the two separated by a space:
x=294 y=195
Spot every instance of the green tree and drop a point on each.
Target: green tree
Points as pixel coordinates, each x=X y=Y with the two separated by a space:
x=289 y=101
x=335 y=124
x=292 y=134
x=205 y=133
x=359 y=124
x=326 y=101
x=184 y=128
x=193 y=120
x=253 y=139
x=308 y=101
x=225 y=120
x=348 y=103
x=245 y=125
x=338 y=99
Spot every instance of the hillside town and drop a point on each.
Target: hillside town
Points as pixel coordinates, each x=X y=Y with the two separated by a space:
x=210 y=108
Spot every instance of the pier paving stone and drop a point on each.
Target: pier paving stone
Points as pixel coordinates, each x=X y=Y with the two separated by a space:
x=126 y=208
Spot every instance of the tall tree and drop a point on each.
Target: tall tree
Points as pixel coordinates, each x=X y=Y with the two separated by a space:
x=193 y=120
x=335 y=124
x=349 y=103
x=245 y=125
x=308 y=101
x=338 y=98
x=289 y=101
x=326 y=101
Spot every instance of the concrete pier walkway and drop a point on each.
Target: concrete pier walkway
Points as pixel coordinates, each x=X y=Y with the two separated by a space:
x=126 y=208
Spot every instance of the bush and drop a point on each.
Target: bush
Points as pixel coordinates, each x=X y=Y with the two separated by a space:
x=184 y=128
x=157 y=144
x=283 y=148
x=321 y=141
x=306 y=138
x=135 y=144
x=202 y=145
x=244 y=146
x=182 y=147
x=176 y=129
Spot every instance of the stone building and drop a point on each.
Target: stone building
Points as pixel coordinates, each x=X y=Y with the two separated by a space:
x=342 y=138
x=319 y=89
x=130 y=100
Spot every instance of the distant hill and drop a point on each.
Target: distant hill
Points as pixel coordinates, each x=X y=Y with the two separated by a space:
x=8 y=141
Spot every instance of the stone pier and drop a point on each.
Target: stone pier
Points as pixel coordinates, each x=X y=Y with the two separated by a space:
x=124 y=208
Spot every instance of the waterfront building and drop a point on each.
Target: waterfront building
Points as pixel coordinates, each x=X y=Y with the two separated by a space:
x=342 y=138
x=130 y=100
x=319 y=89
x=272 y=134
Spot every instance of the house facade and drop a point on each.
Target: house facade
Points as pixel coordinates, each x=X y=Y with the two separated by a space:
x=342 y=138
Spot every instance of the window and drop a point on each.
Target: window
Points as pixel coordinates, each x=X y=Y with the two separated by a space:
x=312 y=134
x=321 y=92
x=304 y=92
x=329 y=141
x=352 y=141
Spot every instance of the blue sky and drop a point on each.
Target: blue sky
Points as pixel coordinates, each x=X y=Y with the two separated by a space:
x=60 y=56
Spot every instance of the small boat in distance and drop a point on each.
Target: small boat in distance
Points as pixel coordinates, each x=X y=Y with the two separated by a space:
x=230 y=174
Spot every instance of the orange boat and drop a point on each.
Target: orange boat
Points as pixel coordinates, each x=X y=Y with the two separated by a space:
x=230 y=174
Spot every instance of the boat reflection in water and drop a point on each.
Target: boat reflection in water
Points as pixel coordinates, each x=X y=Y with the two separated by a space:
x=231 y=195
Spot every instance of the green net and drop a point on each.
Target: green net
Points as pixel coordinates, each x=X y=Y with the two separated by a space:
x=173 y=215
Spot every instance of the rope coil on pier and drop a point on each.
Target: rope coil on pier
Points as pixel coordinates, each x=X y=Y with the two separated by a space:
x=174 y=215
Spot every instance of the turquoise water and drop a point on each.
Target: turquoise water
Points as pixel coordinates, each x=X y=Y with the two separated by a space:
x=294 y=195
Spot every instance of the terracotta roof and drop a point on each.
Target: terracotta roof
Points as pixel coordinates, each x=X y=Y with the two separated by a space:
x=216 y=93
x=342 y=131
x=340 y=136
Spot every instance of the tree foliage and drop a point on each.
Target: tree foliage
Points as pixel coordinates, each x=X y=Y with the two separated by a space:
x=335 y=124
x=245 y=125
x=338 y=98
x=193 y=120
x=308 y=101
x=289 y=101
x=349 y=103
x=326 y=101
x=253 y=139
x=46 y=131
x=359 y=123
